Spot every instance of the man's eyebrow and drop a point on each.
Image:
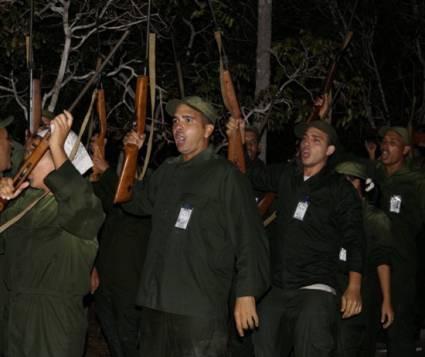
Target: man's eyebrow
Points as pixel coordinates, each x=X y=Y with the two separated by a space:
x=392 y=140
x=314 y=136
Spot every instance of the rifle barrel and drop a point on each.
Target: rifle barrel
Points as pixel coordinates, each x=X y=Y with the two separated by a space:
x=99 y=70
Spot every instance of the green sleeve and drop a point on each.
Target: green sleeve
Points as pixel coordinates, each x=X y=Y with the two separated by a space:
x=349 y=220
x=105 y=188
x=265 y=178
x=381 y=245
x=144 y=193
x=79 y=210
x=421 y=195
x=247 y=234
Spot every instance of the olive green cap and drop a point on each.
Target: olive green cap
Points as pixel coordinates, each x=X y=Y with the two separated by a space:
x=48 y=114
x=324 y=126
x=403 y=132
x=352 y=168
x=196 y=103
x=5 y=122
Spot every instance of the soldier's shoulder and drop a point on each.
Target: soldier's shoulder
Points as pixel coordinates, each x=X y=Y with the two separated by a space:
x=376 y=220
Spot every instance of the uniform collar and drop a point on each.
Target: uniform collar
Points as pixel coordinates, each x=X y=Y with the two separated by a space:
x=404 y=170
x=202 y=156
x=322 y=174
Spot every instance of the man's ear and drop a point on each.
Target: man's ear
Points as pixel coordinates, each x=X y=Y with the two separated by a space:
x=406 y=149
x=330 y=150
x=209 y=128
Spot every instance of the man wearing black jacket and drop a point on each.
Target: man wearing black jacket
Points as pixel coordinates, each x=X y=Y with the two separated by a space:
x=318 y=214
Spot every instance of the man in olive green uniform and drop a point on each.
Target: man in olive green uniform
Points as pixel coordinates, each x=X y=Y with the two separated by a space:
x=122 y=248
x=358 y=335
x=206 y=233
x=403 y=200
x=49 y=253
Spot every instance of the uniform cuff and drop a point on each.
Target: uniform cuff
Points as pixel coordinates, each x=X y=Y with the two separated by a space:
x=62 y=180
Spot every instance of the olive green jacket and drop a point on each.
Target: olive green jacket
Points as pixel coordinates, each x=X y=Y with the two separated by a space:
x=122 y=241
x=190 y=270
x=407 y=187
x=48 y=257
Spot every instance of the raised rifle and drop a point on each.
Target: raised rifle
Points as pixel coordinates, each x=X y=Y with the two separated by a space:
x=179 y=70
x=327 y=85
x=235 y=152
x=101 y=136
x=124 y=191
x=34 y=108
x=32 y=160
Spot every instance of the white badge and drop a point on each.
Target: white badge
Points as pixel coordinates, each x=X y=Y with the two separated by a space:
x=301 y=210
x=343 y=255
x=395 y=204
x=184 y=217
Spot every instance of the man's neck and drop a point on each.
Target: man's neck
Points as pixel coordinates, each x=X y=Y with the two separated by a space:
x=313 y=170
x=393 y=168
x=190 y=156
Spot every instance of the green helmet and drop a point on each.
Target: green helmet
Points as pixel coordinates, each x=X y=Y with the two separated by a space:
x=352 y=168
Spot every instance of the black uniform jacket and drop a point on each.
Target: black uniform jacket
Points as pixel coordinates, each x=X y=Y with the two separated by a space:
x=306 y=251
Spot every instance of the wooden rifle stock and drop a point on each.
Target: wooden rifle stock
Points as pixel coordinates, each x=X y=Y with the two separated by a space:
x=124 y=190
x=235 y=151
x=327 y=85
x=264 y=205
x=28 y=166
x=100 y=140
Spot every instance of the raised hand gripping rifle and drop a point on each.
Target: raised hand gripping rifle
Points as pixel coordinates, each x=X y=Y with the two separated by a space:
x=124 y=191
x=235 y=151
x=32 y=160
x=327 y=84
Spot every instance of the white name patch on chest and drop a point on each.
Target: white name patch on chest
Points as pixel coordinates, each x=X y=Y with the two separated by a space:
x=395 y=204
x=301 y=210
x=184 y=217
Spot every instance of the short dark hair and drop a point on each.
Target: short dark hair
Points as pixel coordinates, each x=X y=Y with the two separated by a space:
x=254 y=130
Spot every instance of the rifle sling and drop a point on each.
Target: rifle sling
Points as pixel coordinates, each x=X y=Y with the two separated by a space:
x=270 y=219
x=21 y=214
x=83 y=126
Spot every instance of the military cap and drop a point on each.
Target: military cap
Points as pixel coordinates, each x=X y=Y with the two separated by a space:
x=327 y=128
x=5 y=122
x=196 y=103
x=399 y=130
x=352 y=168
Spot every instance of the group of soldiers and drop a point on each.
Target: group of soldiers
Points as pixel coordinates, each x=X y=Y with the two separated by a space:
x=187 y=268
